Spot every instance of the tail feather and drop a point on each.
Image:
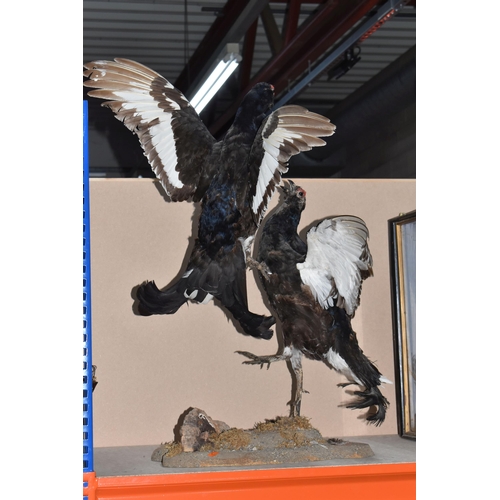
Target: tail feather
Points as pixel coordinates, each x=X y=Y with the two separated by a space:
x=155 y=301
x=152 y=300
x=371 y=397
x=360 y=370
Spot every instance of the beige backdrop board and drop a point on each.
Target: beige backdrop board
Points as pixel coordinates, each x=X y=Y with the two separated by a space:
x=151 y=369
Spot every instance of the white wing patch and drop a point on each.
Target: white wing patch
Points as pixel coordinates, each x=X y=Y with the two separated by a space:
x=286 y=132
x=338 y=259
x=162 y=138
x=137 y=100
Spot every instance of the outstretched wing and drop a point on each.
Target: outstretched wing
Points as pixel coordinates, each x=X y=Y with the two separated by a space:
x=284 y=133
x=338 y=260
x=174 y=139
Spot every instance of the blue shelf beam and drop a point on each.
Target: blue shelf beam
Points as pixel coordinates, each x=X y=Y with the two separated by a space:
x=88 y=448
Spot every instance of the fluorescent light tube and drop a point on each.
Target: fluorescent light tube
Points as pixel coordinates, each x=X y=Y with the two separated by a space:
x=214 y=82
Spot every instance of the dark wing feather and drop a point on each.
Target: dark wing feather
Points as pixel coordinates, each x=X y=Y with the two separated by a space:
x=174 y=139
x=283 y=134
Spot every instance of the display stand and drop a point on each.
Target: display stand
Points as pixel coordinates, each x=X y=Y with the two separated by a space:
x=390 y=476
x=127 y=472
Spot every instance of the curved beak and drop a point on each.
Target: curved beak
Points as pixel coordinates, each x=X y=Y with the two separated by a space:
x=288 y=185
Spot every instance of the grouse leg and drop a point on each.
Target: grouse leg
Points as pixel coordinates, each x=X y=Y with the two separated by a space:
x=299 y=389
x=297 y=397
x=259 y=266
x=262 y=360
x=297 y=370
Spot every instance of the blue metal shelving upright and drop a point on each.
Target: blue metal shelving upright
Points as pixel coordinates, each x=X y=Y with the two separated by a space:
x=88 y=453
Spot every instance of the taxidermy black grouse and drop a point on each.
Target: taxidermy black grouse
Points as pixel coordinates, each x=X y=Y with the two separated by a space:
x=234 y=178
x=315 y=288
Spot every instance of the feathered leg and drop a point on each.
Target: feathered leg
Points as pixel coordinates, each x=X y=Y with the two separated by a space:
x=234 y=299
x=253 y=324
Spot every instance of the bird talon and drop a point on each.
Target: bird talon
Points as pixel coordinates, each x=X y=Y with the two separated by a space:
x=344 y=384
x=252 y=263
x=258 y=360
x=259 y=266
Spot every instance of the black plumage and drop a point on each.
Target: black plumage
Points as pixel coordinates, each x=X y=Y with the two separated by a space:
x=314 y=289
x=233 y=178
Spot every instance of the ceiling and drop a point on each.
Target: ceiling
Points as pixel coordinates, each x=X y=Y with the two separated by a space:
x=304 y=48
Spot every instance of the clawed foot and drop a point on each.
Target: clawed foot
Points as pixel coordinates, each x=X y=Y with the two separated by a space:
x=295 y=405
x=295 y=408
x=345 y=384
x=259 y=266
x=261 y=360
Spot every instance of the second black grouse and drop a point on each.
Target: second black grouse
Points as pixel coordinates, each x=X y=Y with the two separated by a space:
x=315 y=288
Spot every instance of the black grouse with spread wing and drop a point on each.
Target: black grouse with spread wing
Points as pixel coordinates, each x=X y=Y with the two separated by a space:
x=314 y=289
x=233 y=178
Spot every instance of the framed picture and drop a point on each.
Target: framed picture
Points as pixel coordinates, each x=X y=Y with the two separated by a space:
x=402 y=248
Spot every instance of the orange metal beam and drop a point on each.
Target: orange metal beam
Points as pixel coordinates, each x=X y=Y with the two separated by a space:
x=89 y=485
x=377 y=482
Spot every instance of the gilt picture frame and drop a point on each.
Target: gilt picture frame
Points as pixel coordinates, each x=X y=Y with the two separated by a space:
x=402 y=251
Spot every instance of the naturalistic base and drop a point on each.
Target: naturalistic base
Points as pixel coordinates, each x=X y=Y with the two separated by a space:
x=204 y=442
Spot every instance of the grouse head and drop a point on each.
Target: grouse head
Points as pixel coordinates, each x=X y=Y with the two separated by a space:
x=294 y=195
x=258 y=101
